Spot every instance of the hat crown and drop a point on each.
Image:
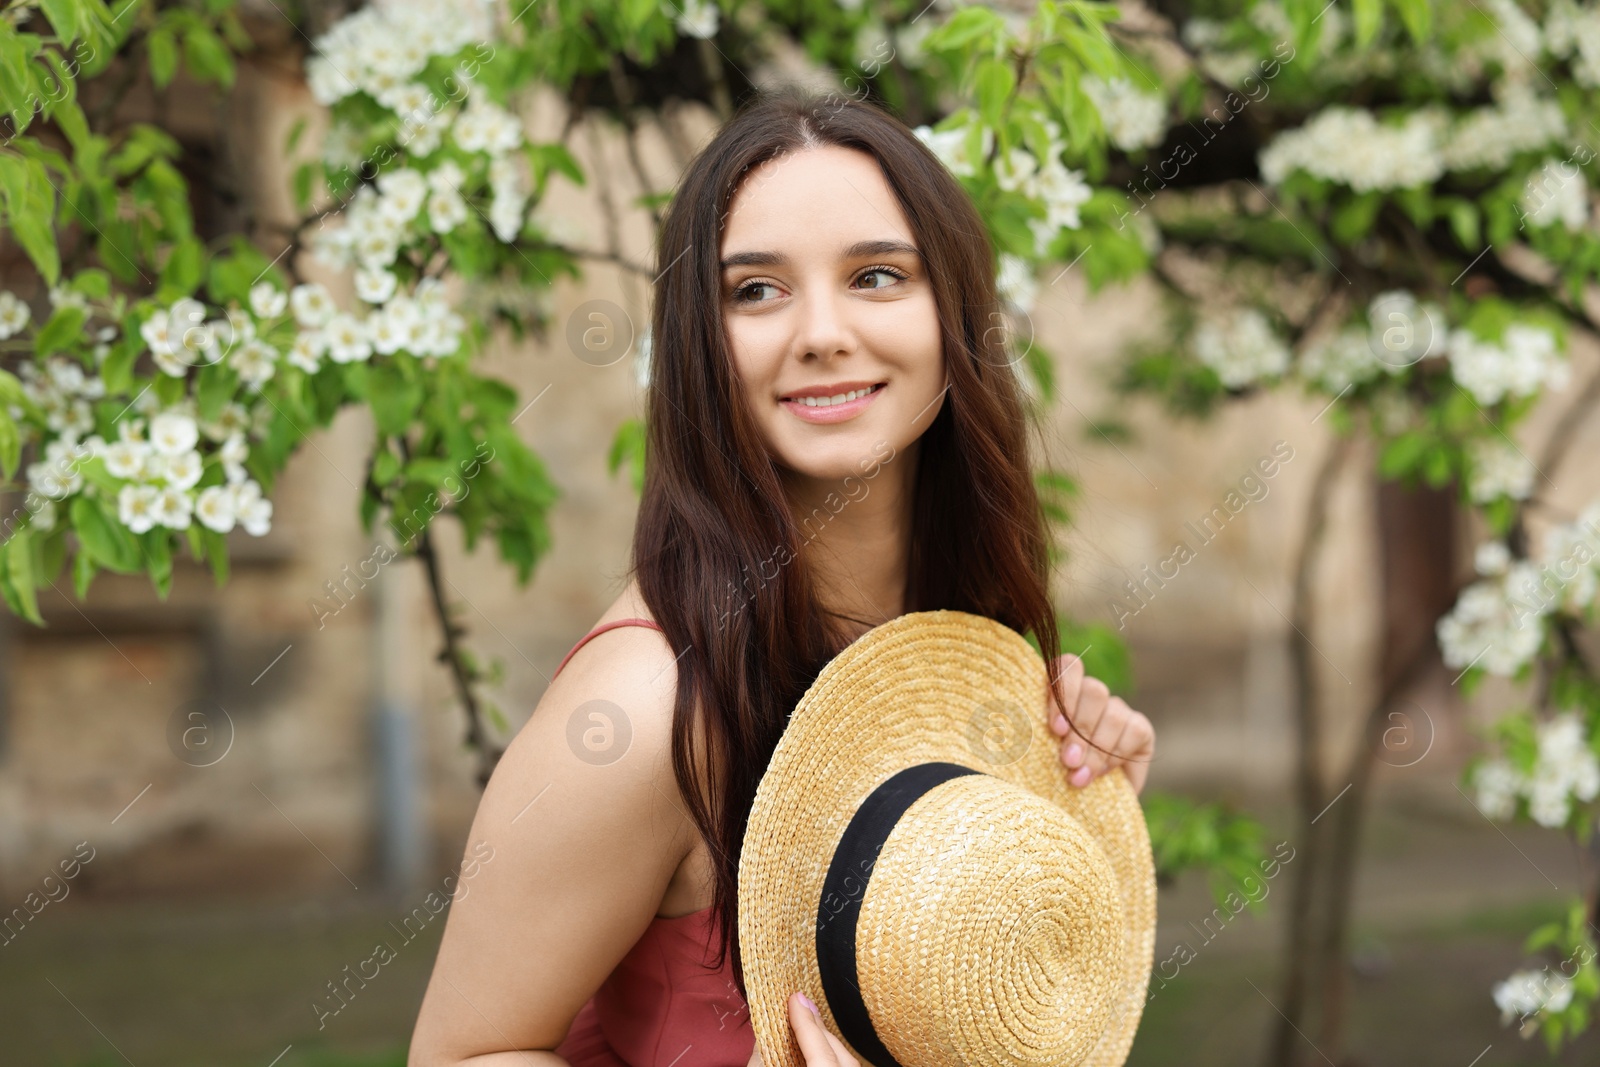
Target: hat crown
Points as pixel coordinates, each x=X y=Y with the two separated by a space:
x=984 y=892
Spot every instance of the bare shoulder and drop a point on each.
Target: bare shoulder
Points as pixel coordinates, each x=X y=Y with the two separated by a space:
x=584 y=827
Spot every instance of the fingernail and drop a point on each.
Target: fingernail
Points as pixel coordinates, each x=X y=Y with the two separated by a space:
x=813 y=1007
x=1058 y=723
x=1074 y=754
x=1080 y=777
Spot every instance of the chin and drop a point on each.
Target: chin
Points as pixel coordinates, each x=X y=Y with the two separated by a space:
x=861 y=454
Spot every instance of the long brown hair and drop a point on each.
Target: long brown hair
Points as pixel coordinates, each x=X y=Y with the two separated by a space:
x=714 y=514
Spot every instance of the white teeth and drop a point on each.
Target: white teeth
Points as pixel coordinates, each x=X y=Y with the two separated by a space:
x=839 y=398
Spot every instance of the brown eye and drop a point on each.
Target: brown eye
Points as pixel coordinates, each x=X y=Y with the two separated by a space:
x=740 y=294
x=892 y=271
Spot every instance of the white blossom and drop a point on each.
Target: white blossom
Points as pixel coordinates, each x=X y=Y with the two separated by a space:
x=255 y=362
x=267 y=300
x=215 y=508
x=950 y=145
x=233 y=454
x=380 y=47
x=1528 y=993
x=1133 y=119
x=1556 y=192
x=173 y=507
x=138 y=507
x=183 y=471
x=698 y=19
x=1241 y=347
x=483 y=126
x=173 y=433
x=1350 y=146
x=1569 y=557
x=347 y=339
x=446 y=211
x=232 y=419
x=254 y=511
x=374 y=285
x=1488 y=137
x=404 y=191
x=1497 y=469
x=1339 y=361
x=1496 y=623
x=1491 y=558
x=311 y=304
x=306 y=352
x=125 y=459
x=14 y=315
x=1016 y=281
x=1525 y=360
x=1498 y=785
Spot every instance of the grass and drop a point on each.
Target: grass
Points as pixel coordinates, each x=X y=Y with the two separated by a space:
x=231 y=985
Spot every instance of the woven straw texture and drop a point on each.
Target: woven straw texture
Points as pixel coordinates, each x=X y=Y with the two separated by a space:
x=1007 y=921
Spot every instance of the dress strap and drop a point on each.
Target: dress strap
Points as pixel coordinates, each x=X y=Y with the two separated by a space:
x=613 y=624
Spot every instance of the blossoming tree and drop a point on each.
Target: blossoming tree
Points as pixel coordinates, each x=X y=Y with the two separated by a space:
x=1419 y=263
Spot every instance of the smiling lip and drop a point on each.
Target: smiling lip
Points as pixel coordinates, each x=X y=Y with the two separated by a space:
x=833 y=412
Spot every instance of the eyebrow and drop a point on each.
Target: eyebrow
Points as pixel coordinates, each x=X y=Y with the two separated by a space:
x=880 y=247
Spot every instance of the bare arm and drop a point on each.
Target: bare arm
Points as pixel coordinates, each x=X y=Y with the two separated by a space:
x=585 y=842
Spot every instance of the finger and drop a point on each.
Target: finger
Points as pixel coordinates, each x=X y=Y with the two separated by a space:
x=1093 y=698
x=1072 y=673
x=840 y=1049
x=1105 y=752
x=813 y=1037
x=1140 y=739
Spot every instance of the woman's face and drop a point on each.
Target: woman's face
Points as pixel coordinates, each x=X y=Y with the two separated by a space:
x=825 y=296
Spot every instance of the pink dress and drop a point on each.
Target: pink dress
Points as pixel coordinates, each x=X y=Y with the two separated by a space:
x=663 y=1005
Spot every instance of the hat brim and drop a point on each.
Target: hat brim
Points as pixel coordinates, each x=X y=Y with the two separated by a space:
x=926 y=686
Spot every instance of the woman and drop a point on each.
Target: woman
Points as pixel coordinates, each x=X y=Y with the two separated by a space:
x=836 y=437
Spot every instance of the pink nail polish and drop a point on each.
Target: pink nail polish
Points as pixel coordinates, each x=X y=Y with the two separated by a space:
x=1074 y=753
x=807 y=1001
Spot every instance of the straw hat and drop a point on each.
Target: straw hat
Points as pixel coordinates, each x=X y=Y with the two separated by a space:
x=917 y=864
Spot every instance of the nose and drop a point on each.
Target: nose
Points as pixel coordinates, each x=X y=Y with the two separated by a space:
x=824 y=329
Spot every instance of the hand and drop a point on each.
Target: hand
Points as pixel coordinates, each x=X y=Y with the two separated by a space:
x=820 y=1048
x=1126 y=736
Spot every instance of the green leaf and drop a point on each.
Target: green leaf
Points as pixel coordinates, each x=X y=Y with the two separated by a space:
x=1368 y=19
x=628 y=446
x=163 y=56
x=181 y=274
x=965 y=26
x=83 y=571
x=64 y=326
x=63 y=16
x=217 y=384
x=1354 y=218
x=104 y=537
x=10 y=445
x=393 y=398
x=18 y=577
x=1463 y=216
x=993 y=84
x=385 y=465
x=207 y=57
x=1418 y=17
x=158 y=555
x=30 y=207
